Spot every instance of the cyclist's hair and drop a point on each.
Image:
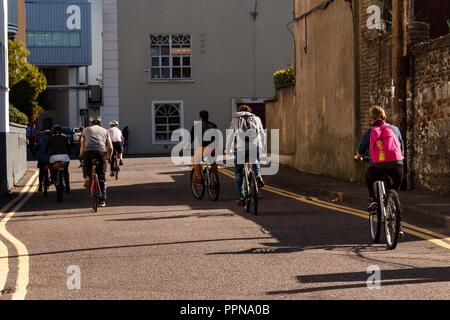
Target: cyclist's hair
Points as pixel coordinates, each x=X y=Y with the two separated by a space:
x=204 y=115
x=377 y=113
x=245 y=108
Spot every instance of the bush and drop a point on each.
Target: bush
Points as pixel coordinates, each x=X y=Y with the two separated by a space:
x=284 y=78
x=17 y=117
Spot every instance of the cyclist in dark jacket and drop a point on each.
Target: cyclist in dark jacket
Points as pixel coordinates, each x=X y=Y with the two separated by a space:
x=43 y=156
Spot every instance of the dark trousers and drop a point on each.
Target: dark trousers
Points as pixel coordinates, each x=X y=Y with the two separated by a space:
x=102 y=158
x=41 y=167
x=376 y=174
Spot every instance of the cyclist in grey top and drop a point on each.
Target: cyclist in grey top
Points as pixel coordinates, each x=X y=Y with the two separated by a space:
x=96 y=144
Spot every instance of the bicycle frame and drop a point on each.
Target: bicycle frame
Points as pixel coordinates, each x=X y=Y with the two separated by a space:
x=380 y=187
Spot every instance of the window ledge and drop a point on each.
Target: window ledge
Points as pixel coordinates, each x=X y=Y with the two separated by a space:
x=172 y=81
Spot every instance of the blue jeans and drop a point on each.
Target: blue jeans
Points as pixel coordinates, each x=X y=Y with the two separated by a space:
x=239 y=174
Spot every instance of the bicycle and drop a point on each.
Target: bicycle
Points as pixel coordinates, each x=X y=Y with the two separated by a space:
x=59 y=181
x=251 y=190
x=95 y=186
x=210 y=181
x=388 y=212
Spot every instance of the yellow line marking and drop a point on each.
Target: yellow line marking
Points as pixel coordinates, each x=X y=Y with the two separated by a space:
x=408 y=228
x=3 y=265
x=22 y=252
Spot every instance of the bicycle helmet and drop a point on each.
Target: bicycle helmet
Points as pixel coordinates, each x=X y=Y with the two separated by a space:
x=57 y=129
x=114 y=124
x=48 y=133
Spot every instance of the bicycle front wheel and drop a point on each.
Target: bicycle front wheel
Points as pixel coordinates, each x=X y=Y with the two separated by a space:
x=393 y=220
x=198 y=189
x=375 y=224
x=214 y=185
x=254 y=197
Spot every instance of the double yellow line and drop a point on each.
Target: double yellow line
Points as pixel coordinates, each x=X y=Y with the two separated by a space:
x=22 y=252
x=434 y=237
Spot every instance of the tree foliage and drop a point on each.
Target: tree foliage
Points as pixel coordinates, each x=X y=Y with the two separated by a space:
x=17 y=117
x=26 y=81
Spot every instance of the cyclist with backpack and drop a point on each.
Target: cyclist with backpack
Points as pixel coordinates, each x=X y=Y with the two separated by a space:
x=246 y=140
x=385 y=144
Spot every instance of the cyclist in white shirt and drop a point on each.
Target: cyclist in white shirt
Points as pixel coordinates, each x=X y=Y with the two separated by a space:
x=117 y=141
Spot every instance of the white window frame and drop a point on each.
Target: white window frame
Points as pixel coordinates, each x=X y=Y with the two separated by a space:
x=171 y=66
x=154 y=103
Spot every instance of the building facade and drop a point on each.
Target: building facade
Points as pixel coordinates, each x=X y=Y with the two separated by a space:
x=353 y=55
x=164 y=61
x=64 y=44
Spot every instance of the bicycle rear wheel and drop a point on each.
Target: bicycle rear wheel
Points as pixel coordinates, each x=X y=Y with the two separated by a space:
x=198 y=189
x=254 y=198
x=393 y=220
x=59 y=186
x=214 y=185
x=46 y=183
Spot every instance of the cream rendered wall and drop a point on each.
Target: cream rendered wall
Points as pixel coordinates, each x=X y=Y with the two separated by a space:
x=221 y=73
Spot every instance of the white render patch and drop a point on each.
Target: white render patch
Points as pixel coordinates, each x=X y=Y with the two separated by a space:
x=110 y=110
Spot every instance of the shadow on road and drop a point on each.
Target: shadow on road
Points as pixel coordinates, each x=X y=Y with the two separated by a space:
x=388 y=278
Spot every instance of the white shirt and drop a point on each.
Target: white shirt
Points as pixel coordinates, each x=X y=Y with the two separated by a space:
x=115 y=134
x=259 y=142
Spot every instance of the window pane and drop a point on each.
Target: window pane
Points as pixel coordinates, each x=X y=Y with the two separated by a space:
x=155 y=62
x=74 y=39
x=165 y=61
x=31 y=39
x=161 y=128
x=162 y=137
x=65 y=39
x=165 y=73
x=156 y=74
x=173 y=120
x=56 y=39
x=165 y=50
x=174 y=127
x=154 y=51
x=186 y=72
x=186 y=61
x=160 y=120
x=176 y=72
x=39 y=39
x=176 y=61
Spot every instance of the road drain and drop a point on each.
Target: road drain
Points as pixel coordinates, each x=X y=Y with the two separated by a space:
x=266 y=250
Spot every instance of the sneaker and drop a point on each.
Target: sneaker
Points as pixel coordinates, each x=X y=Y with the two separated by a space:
x=120 y=163
x=241 y=202
x=260 y=182
x=102 y=204
x=112 y=174
x=87 y=183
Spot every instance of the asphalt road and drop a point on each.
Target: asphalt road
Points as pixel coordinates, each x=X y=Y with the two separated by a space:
x=154 y=241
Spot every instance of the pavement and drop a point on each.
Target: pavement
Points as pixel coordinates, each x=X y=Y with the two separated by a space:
x=155 y=241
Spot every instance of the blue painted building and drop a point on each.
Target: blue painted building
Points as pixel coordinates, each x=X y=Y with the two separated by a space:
x=59 y=38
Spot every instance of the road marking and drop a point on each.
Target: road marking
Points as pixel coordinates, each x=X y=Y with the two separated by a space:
x=3 y=266
x=431 y=236
x=22 y=252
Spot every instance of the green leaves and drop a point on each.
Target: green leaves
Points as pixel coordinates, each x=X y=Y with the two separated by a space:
x=17 y=117
x=284 y=78
x=26 y=81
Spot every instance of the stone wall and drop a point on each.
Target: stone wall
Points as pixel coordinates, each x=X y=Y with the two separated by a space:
x=281 y=114
x=13 y=164
x=431 y=111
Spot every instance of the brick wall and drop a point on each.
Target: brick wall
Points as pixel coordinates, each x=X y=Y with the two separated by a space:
x=431 y=112
x=375 y=67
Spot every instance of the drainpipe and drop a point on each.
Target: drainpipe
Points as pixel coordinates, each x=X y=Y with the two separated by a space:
x=399 y=68
x=4 y=97
x=254 y=15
